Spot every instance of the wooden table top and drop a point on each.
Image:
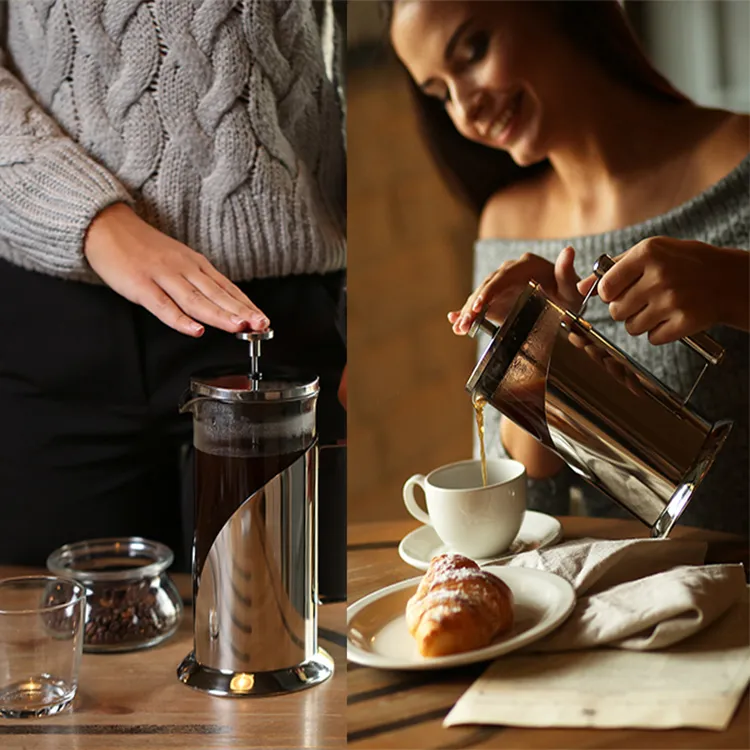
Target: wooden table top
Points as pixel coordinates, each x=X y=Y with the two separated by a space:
x=132 y=700
x=390 y=709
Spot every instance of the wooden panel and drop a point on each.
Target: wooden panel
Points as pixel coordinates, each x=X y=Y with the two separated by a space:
x=410 y=260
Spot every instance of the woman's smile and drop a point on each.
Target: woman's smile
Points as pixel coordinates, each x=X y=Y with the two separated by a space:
x=500 y=130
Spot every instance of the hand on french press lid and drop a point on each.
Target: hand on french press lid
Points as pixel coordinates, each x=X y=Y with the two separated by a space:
x=499 y=291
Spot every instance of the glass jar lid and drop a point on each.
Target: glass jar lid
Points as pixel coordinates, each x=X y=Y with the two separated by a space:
x=114 y=560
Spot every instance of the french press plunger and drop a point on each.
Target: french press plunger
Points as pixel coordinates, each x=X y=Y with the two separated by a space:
x=254 y=550
x=609 y=419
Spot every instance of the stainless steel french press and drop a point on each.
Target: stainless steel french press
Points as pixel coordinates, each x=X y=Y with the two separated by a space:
x=615 y=424
x=255 y=544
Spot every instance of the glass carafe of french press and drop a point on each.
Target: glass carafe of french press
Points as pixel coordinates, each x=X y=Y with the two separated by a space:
x=549 y=371
x=254 y=549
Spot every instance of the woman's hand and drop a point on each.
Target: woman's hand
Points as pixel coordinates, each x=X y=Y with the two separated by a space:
x=500 y=289
x=176 y=284
x=674 y=288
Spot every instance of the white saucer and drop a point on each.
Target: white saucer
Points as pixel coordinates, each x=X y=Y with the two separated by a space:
x=377 y=635
x=537 y=530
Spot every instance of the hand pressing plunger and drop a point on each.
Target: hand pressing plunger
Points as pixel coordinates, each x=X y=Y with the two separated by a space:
x=178 y=285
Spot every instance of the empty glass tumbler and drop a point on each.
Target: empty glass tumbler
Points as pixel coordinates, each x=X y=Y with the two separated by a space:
x=41 y=640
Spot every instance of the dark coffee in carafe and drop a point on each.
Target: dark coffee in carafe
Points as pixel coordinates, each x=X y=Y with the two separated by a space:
x=224 y=483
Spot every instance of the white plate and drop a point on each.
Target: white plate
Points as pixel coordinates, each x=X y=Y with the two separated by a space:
x=537 y=530
x=377 y=635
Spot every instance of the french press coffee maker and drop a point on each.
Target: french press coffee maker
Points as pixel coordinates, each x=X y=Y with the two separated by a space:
x=254 y=548
x=617 y=426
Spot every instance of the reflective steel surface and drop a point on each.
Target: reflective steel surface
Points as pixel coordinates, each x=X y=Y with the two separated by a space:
x=616 y=425
x=240 y=684
x=610 y=420
x=255 y=618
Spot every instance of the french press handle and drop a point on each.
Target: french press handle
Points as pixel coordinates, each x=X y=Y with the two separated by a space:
x=701 y=343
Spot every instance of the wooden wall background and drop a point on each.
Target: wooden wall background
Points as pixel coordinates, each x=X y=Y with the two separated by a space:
x=410 y=259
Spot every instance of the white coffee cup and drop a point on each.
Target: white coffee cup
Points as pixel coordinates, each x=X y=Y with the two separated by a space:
x=473 y=520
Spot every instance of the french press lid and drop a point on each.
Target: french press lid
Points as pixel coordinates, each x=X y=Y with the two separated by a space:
x=257 y=384
x=507 y=340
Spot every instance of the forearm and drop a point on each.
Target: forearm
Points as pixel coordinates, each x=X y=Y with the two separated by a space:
x=50 y=189
x=540 y=462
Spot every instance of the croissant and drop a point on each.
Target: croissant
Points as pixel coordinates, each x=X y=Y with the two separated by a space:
x=458 y=607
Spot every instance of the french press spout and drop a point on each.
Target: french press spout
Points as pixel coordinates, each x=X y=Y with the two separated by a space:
x=612 y=421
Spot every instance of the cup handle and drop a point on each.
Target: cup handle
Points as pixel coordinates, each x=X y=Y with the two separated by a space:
x=411 y=502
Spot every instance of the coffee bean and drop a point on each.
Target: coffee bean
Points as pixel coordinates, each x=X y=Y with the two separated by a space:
x=126 y=615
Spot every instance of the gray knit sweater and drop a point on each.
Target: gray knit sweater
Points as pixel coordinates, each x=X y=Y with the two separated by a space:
x=721 y=217
x=216 y=119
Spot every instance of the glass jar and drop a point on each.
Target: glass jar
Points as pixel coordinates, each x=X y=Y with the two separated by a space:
x=131 y=602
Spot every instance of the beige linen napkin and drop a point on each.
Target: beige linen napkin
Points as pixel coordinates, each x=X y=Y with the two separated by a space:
x=641 y=593
x=592 y=565
x=696 y=683
x=635 y=595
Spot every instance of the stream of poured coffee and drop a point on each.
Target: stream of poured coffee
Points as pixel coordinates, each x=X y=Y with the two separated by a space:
x=479 y=403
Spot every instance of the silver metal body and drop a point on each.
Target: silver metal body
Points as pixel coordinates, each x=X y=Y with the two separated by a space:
x=609 y=419
x=255 y=623
x=255 y=558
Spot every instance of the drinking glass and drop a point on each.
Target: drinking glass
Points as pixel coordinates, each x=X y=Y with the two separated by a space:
x=41 y=639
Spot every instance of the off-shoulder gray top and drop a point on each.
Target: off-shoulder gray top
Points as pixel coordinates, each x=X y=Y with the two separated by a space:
x=719 y=216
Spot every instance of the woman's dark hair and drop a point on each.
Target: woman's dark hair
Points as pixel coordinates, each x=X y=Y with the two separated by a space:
x=600 y=28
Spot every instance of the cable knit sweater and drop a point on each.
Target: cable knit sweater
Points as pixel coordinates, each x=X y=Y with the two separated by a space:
x=719 y=216
x=215 y=119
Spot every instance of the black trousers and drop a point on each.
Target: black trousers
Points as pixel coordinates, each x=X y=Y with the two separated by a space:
x=92 y=444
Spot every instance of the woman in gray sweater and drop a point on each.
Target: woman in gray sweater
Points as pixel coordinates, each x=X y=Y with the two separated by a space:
x=170 y=173
x=569 y=144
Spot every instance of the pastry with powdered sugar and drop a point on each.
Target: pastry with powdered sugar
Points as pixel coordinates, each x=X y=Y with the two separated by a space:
x=458 y=607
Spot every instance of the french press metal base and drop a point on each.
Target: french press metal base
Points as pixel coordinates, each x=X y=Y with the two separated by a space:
x=692 y=478
x=243 y=684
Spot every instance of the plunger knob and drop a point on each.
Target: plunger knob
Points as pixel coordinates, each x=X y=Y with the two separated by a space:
x=255 y=337
x=482 y=324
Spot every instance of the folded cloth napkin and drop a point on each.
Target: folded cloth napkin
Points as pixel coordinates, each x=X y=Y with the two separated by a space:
x=696 y=683
x=640 y=594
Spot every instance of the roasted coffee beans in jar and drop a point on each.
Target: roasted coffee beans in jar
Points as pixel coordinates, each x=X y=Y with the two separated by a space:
x=131 y=602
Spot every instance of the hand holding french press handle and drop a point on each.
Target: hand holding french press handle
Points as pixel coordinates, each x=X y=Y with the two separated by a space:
x=673 y=289
x=701 y=343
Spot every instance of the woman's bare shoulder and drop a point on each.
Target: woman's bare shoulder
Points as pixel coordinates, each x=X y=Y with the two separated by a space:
x=516 y=211
x=725 y=148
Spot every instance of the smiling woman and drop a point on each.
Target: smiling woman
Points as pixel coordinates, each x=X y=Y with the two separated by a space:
x=494 y=41
x=550 y=121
